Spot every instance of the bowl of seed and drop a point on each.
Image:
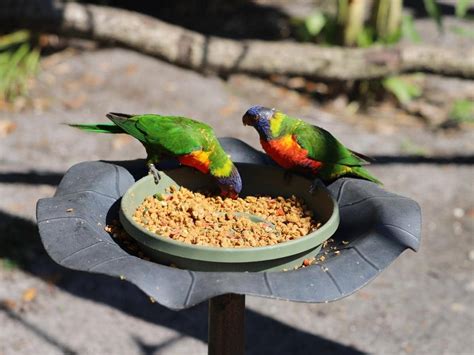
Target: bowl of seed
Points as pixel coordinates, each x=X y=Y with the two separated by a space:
x=276 y=224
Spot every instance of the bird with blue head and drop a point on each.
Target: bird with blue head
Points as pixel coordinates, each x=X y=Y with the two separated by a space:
x=299 y=146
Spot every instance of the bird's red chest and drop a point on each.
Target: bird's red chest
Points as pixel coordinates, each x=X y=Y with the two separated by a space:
x=288 y=153
x=198 y=160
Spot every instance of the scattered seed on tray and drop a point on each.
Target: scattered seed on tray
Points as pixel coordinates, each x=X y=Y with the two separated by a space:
x=116 y=230
x=122 y=238
x=203 y=219
x=327 y=250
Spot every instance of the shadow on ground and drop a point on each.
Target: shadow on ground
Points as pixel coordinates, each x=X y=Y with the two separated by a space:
x=238 y=19
x=31 y=178
x=36 y=330
x=53 y=178
x=21 y=246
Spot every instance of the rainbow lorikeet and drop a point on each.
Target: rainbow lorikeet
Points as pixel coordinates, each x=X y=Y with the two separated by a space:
x=297 y=145
x=191 y=142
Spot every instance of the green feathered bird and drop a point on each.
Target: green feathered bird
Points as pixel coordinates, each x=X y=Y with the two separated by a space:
x=297 y=145
x=191 y=142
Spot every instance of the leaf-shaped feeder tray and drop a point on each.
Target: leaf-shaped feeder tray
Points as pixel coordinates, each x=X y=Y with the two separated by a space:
x=376 y=226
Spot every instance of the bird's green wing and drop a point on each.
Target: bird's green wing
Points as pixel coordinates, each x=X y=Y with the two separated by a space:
x=322 y=146
x=175 y=135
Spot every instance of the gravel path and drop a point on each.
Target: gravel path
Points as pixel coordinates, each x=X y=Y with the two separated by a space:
x=423 y=303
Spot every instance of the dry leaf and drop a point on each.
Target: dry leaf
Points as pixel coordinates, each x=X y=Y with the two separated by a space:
x=364 y=295
x=4 y=106
x=8 y=304
x=296 y=83
x=29 y=294
x=229 y=109
x=6 y=127
x=57 y=58
x=131 y=69
x=120 y=141
x=41 y=104
x=19 y=104
x=91 y=80
x=73 y=85
x=320 y=88
x=170 y=87
x=62 y=68
x=470 y=212
x=76 y=102
x=53 y=279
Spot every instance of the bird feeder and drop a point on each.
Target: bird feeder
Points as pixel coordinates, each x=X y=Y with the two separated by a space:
x=375 y=227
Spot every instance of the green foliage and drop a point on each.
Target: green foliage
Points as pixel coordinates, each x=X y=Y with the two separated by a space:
x=462 y=31
x=310 y=27
x=386 y=20
x=8 y=264
x=409 y=147
x=350 y=20
x=19 y=61
x=401 y=88
x=315 y=23
x=461 y=7
x=349 y=26
x=433 y=10
x=385 y=25
x=408 y=29
x=366 y=37
x=462 y=111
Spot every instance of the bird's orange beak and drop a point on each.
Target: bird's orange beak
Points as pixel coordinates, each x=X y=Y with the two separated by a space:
x=231 y=194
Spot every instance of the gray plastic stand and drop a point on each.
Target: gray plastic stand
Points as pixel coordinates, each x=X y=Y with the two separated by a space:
x=377 y=225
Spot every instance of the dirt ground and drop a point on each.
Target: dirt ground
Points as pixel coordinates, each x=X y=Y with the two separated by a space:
x=422 y=304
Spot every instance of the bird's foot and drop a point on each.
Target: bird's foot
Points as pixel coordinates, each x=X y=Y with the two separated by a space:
x=154 y=171
x=316 y=185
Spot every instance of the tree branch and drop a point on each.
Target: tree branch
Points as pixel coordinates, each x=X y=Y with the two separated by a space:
x=196 y=51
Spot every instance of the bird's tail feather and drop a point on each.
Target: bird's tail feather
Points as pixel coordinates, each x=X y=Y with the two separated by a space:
x=128 y=123
x=364 y=174
x=118 y=118
x=99 y=127
x=367 y=160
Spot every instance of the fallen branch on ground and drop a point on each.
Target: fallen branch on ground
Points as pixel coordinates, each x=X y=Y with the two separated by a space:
x=206 y=53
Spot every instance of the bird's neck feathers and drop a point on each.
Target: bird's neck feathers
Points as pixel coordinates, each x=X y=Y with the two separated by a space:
x=220 y=164
x=263 y=128
x=276 y=123
x=224 y=171
x=270 y=129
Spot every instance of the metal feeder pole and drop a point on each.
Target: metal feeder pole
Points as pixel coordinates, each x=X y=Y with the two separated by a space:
x=226 y=333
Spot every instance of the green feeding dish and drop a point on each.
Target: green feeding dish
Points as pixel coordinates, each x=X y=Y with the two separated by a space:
x=257 y=180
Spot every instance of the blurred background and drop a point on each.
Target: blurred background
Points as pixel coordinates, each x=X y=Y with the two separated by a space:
x=391 y=79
